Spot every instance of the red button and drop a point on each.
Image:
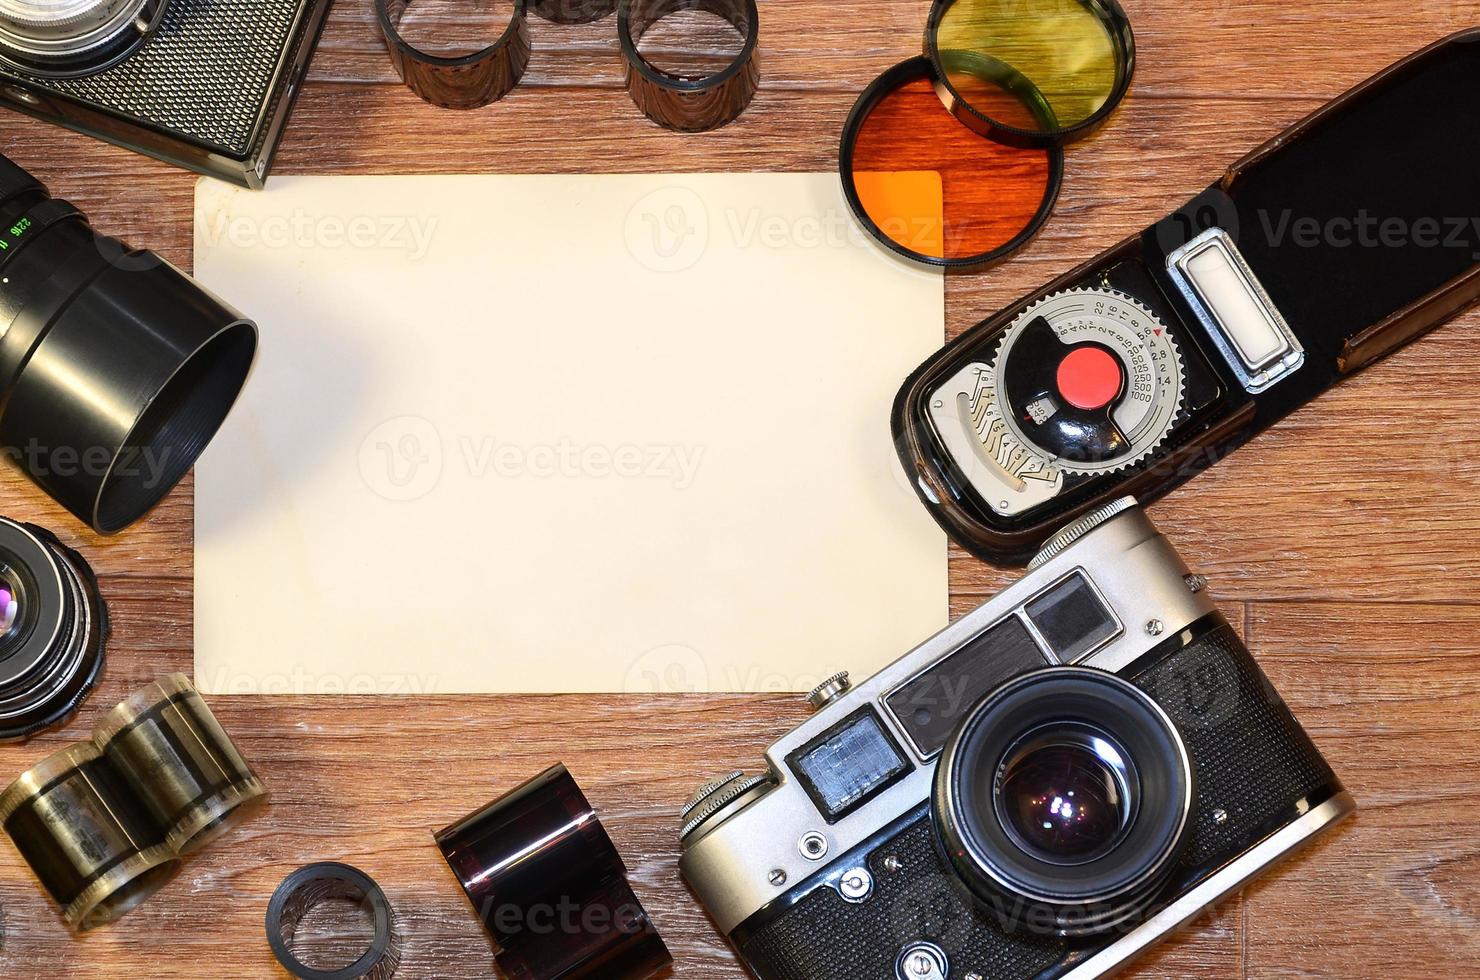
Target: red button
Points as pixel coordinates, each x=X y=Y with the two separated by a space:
x=1089 y=378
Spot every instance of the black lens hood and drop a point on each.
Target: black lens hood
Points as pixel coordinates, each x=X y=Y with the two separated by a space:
x=116 y=368
x=1063 y=899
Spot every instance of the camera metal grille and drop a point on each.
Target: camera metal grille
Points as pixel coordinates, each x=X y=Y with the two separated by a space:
x=207 y=73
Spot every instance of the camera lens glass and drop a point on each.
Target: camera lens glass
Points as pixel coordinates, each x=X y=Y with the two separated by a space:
x=12 y=597
x=1066 y=793
x=53 y=626
x=1063 y=801
x=71 y=36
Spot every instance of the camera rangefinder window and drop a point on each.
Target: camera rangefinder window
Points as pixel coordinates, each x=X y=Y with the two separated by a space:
x=929 y=706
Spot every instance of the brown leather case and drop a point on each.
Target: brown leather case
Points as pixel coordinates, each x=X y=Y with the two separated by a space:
x=1361 y=222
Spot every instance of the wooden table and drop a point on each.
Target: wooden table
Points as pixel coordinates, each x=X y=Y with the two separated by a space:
x=1343 y=542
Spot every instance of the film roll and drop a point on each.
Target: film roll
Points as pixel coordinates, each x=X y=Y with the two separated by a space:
x=550 y=887
x=674 y=100
x=169 y=746
x=104 y=823
x=94 y=846
x=464 y=82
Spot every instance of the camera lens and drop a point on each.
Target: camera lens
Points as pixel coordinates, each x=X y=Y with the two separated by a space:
x=66 y=37
x=116 y=369
x=1062 y=801
x=54 y=628
x=1066 y=793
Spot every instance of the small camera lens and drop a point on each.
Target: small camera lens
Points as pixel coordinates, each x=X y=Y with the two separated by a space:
x=53 y=626
x=1062 y=801
x=1066 y=793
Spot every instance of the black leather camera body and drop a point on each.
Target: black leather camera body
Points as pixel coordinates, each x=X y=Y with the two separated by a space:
x=1044 y=790
x=203 y=84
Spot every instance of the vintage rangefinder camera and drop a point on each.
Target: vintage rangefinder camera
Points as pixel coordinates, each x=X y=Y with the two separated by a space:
x=1045 y=789
x=203 y=84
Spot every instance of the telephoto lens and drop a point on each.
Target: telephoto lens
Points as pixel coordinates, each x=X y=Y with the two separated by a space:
x=53 y=626
x=116 y=369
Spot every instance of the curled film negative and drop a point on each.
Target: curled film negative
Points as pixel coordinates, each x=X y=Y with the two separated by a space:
x=103 y=823
x=465 y=81
x=550 y=887
x=690 y=101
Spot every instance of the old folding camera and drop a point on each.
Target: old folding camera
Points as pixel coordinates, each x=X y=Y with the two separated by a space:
x=1043 y=790
x=1333 y=245
x=202 y=84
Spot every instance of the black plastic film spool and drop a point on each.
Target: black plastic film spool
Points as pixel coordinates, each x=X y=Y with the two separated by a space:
x=315 y=884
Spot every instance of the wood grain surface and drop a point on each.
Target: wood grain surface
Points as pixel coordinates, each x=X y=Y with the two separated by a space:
x=1344 y=540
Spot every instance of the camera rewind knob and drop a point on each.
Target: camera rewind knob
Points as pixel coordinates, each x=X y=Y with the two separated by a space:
x=829 y=690
x=1060 y=542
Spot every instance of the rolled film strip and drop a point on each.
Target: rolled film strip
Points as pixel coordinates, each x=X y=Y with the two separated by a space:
x=572 y=11
x=103 y=823
x=934 y=192
x=550 y=887
x=180 y=761
x=311 y=886
x=675 y=100
x=1080 y=55
x=460 y=82
x=94 y=846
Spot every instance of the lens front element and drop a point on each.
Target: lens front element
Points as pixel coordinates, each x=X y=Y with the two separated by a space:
x=10 y=605
x=1065 y=793
x=1063 y=801
x=72 y=35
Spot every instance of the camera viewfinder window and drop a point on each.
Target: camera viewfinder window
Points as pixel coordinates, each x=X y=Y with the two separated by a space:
x=848 y=765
